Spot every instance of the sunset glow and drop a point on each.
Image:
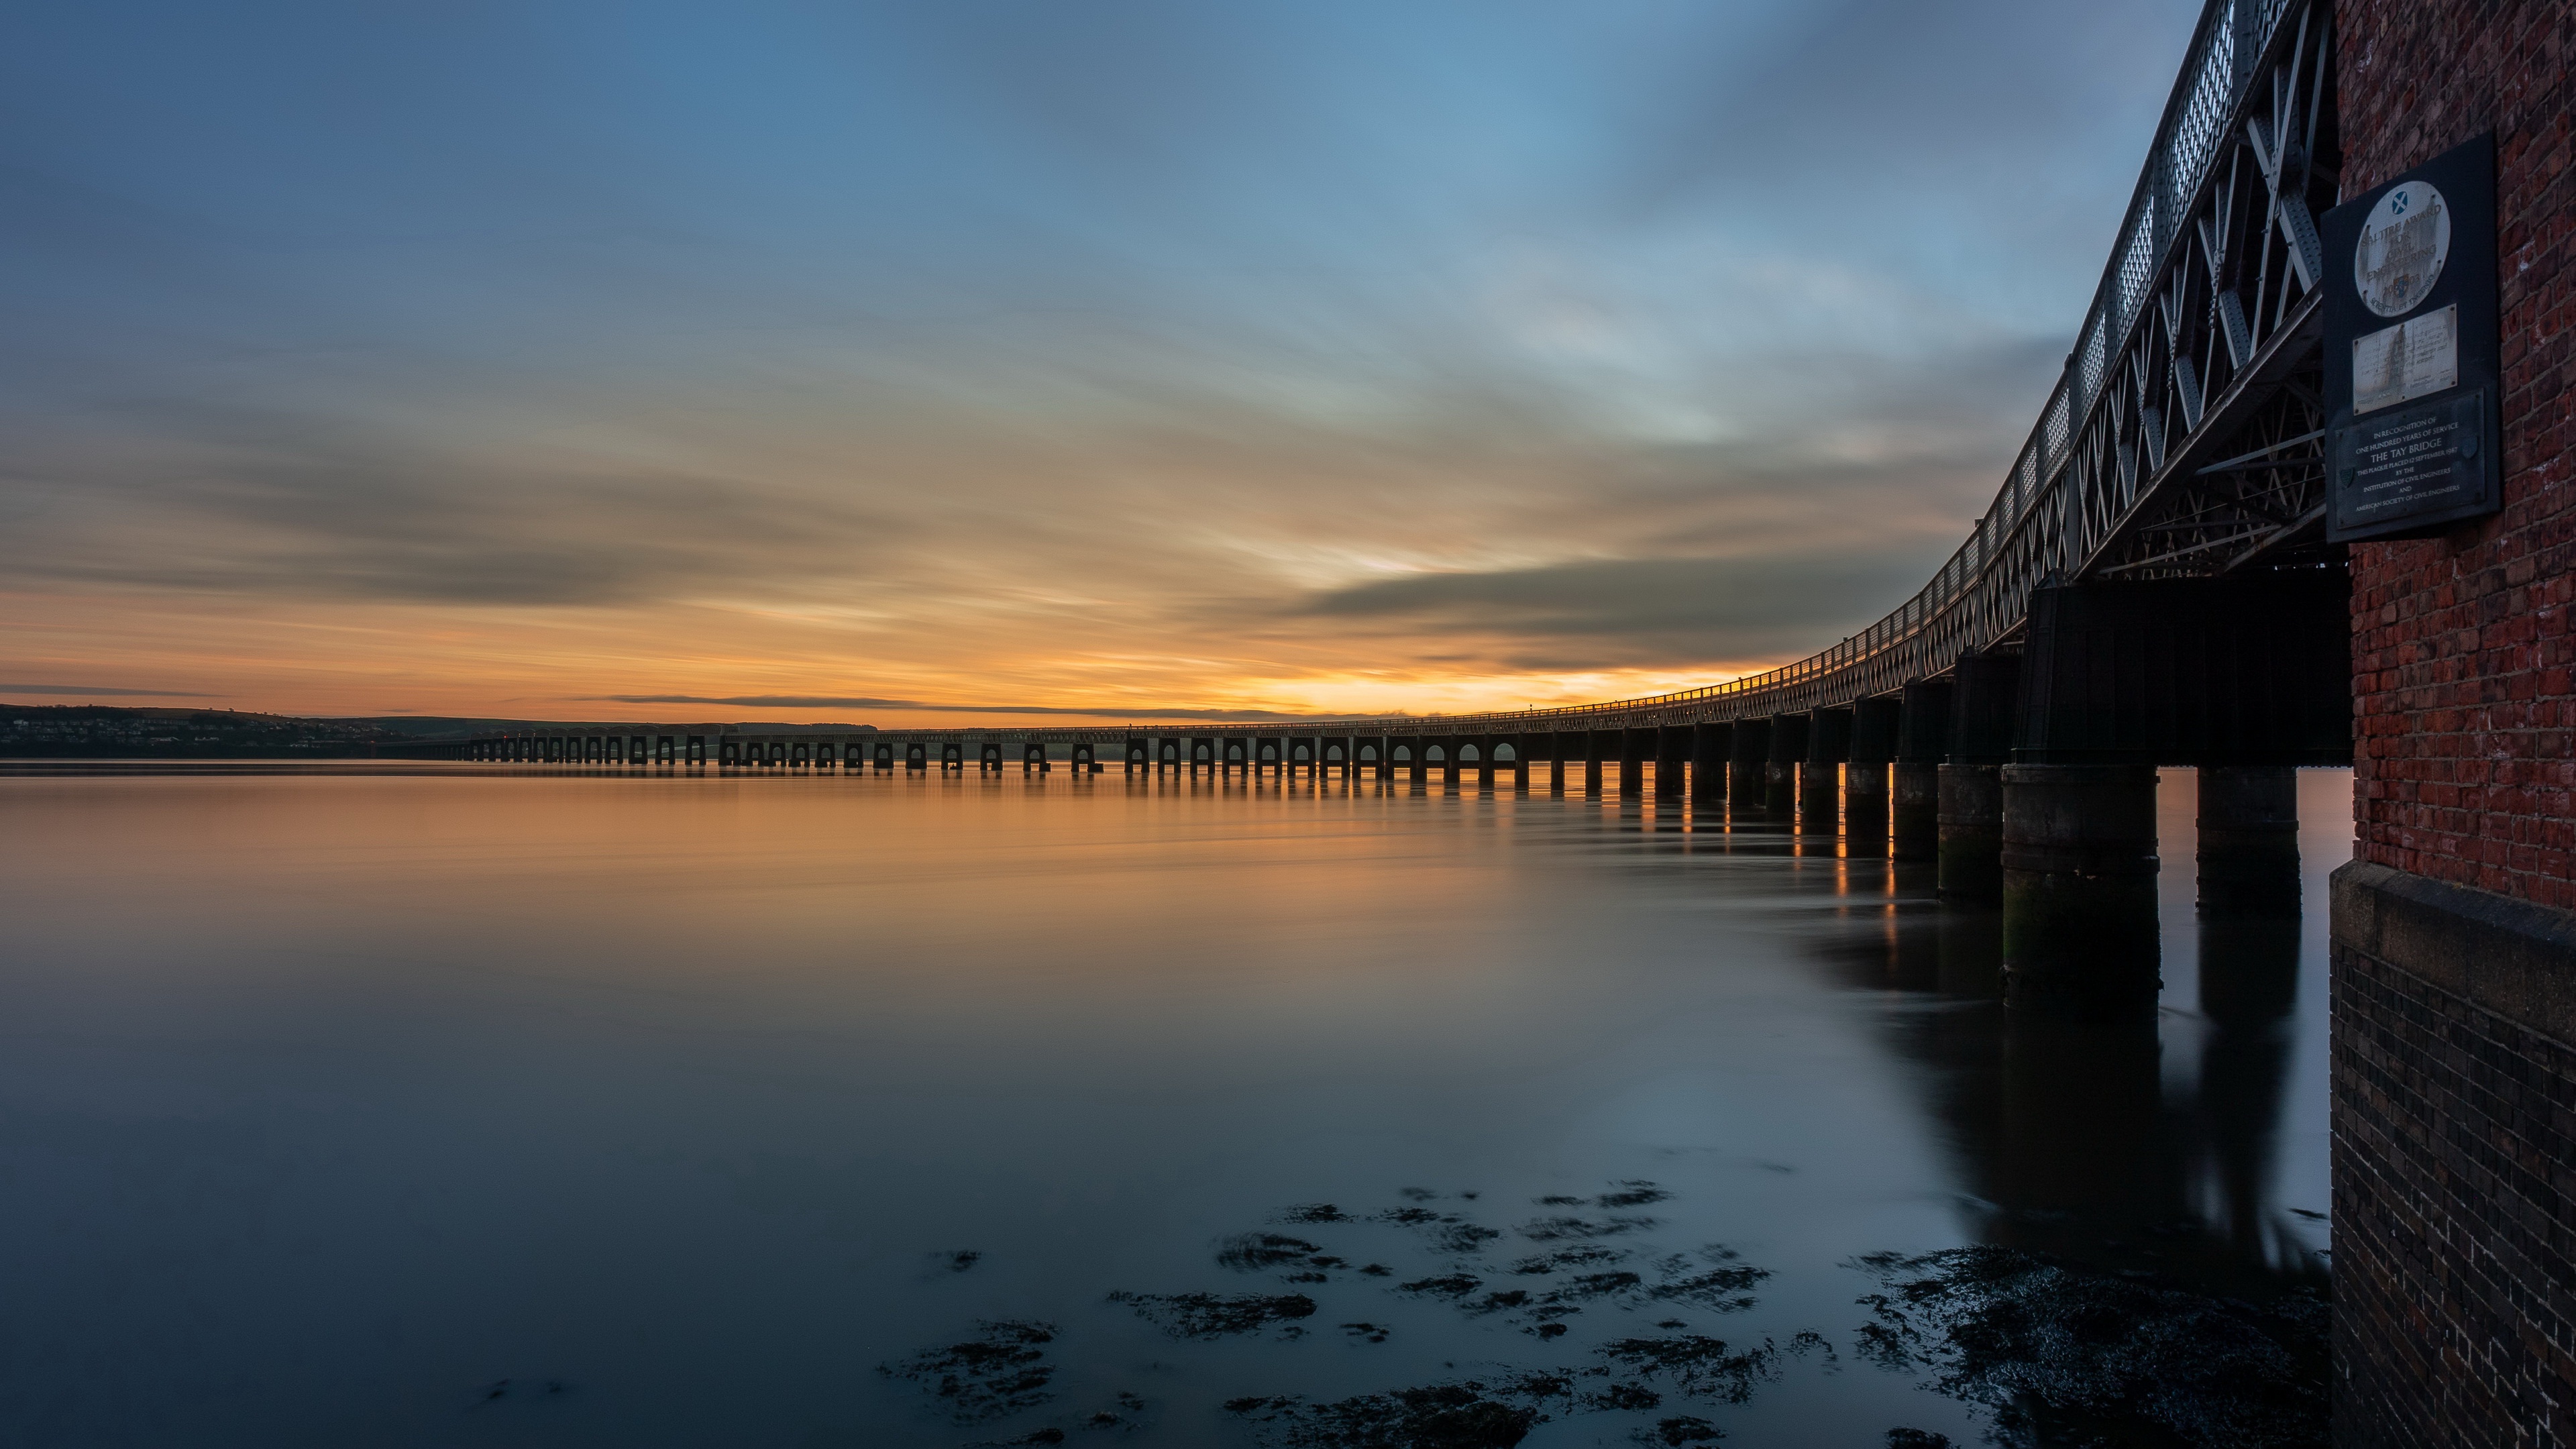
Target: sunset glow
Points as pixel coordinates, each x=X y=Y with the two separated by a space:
x=555 y=363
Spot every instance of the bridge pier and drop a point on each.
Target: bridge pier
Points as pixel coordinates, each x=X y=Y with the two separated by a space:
x=1747 y=757
x=1829 y=734
x=1635 y=745
x=1672 y=762
x=1922 y=738
x=1780 y=771
x=2249 y=840
x=1970 y=849
x=1709 y=744
x=1865 y=771
x=1594 y=742
x=2079 y=889
x=1982 y=698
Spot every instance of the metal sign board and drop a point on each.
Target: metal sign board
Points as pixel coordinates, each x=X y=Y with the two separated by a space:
x=2412 y=366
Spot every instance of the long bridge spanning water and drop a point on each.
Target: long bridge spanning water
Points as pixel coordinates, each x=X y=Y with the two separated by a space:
x=2333 y=320
x=2152 y=585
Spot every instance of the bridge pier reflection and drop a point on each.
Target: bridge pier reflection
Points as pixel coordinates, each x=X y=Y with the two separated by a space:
x=2101 y=1142
x=2248 y=853
x=2079 y=889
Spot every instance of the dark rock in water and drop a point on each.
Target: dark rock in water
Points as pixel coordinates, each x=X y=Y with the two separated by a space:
x=1031 y=1438
x=1214 y=1315
x=1366 y=1332
x=1315 y=1212
x=1916 y=1439
x=1411 y=1217
x=1378 y=1270
x=959 y=1260
x=1442 y=1416
x=2072 y=1354
x=999 y=1373
x=1701 y=1367
x=1255 y=1252
x=1681 y=1430
x=1416 y=1194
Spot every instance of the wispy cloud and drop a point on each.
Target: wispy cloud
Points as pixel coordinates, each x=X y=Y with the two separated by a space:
x=1270 y=359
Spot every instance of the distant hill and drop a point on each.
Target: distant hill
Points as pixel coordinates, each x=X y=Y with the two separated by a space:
x=93 y=731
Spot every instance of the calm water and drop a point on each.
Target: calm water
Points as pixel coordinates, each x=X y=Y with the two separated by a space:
x=448 y=1106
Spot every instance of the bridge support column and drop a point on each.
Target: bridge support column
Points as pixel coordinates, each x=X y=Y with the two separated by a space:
x=2079 y=889
x=1746 y=761
x=1635 y=745
x=1982 y=697
x=1971 y=825
x=2249 y=840
x=1865 y=776
x=1594 y=743
x=1553 y=744
x=1922 y=740
x=1708 y=763
x=1865 y=809
x=1829 y=734
x=1819 y=796
x=1779 y=772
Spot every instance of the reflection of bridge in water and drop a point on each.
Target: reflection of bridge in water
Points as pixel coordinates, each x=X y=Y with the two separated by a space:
x=2151 y=586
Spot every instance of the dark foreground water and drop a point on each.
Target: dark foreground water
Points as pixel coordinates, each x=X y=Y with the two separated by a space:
x=452 y=1106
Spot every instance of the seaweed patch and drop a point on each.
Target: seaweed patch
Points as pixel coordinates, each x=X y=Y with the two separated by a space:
x=1001 y=1372
x=1216 y=1315
x=2073 y=1353
x=1255 y=1252
x=1549 y=1230
x=1701 y=1367
x=1467 y=1415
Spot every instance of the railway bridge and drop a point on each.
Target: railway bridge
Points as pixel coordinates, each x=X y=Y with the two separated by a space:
x=2300 y=496
x=2153 y=584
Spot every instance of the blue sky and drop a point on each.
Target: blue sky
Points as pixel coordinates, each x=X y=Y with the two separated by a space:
x=492 y=357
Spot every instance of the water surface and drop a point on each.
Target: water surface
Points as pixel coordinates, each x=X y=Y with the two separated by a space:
x=451 y=1105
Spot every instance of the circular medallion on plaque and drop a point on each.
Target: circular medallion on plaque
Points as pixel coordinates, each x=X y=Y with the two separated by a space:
x=2404 y=242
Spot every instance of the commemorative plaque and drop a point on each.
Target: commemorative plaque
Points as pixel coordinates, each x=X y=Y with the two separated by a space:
x=2410 y=352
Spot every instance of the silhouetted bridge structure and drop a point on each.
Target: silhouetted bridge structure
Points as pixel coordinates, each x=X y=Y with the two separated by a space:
x=2152 y=585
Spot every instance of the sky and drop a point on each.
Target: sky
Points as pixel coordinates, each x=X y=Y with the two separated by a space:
x=905 y=363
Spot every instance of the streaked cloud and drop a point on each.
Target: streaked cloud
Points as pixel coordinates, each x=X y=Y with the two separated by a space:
x=1255 y=359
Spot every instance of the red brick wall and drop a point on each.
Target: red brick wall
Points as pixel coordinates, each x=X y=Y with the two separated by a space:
x=2462 y=655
